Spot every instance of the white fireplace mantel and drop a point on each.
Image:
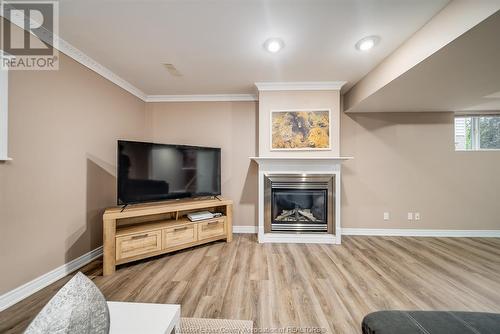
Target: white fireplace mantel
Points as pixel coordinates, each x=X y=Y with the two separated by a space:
x=298 y=165
x=300 y=160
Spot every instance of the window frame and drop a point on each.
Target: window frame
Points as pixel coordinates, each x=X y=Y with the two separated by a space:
x=475 y=132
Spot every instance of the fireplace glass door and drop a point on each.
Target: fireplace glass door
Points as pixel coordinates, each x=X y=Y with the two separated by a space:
x=299 y=210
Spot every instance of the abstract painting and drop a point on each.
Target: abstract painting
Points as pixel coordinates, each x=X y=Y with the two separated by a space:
x=300 y=130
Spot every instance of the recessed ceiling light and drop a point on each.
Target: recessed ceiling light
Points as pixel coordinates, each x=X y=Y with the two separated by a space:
x=274 y=45
x=367 y=43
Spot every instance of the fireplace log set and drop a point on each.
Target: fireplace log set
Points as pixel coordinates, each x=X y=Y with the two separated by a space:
x=296 y=214
x=299 y=207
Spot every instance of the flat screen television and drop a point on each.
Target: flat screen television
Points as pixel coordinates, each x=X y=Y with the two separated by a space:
x=149 y=172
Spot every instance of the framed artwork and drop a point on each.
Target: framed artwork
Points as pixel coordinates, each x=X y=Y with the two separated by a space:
x=300 y=129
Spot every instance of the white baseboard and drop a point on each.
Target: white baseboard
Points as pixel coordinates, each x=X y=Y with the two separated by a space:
x=421 y=233
x=245 y=229
x=12 y=297
x=398 y=232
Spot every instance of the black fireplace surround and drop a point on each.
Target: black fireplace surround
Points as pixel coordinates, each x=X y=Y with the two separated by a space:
x=299 y=203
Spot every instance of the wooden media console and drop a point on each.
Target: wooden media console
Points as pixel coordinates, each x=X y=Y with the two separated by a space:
x=146 y=230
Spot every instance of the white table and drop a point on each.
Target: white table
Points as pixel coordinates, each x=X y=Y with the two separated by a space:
x=144 y=318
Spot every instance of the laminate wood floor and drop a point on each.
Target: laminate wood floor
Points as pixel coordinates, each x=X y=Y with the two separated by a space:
x=320 y=286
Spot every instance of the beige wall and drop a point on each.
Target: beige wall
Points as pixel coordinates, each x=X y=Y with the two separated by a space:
x=403 y=162
x=407 y=163
x=293 y=100
x=63 y=127
x=228 y=125
x=62 y=139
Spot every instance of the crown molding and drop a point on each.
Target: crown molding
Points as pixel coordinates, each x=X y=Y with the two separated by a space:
x=87 y=61
x=65 y=47
x=300 y=85
x=103 y=71
x=202 y=98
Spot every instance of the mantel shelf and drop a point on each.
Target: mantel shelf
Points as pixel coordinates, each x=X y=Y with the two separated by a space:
x=260 y=160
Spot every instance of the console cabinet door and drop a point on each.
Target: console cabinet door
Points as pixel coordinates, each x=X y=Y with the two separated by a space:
x=137 y=244
x=211 y=229
x=180 y=235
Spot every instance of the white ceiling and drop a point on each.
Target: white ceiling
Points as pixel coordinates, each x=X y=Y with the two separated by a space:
x=217 y=45
x=462 y=76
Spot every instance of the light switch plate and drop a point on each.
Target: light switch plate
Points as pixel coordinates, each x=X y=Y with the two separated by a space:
x=410 y=215
x=386 y=216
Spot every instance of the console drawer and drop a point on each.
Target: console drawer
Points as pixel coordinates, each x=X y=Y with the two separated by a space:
x=179 y=235
x=211 y=229
x=137 y=244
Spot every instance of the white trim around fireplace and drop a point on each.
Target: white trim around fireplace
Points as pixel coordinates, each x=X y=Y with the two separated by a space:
x=300 y=85
x=299 y=160
x=295 y=238
x=319 y=238
x=289 y=165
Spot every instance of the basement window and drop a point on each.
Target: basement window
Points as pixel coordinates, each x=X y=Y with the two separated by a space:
x=477 y=133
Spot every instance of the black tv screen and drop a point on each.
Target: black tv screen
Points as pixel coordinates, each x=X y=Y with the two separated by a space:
x=149 y=172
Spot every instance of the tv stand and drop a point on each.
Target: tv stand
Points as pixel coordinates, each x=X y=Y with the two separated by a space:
x=146 y=230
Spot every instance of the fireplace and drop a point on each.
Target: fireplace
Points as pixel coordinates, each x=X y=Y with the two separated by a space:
x=299 y=203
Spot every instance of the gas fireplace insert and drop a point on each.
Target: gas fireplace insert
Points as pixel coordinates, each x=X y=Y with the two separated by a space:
x=299 y=203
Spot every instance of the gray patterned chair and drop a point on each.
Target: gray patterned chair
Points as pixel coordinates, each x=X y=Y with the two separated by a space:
x=80 y=308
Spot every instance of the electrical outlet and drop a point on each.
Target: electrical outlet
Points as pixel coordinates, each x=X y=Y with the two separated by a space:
x=410 y=215
x=386 y=216
x=417 y=215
